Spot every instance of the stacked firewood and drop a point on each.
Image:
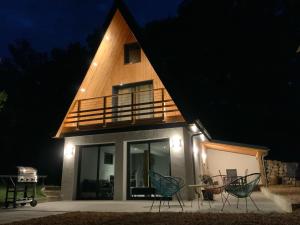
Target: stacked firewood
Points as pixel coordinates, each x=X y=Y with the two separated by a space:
x=277 y=172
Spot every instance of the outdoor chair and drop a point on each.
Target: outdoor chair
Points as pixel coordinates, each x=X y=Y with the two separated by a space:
x=242 y=188
x=231 y=175
x=166 y=187
x=214 y=186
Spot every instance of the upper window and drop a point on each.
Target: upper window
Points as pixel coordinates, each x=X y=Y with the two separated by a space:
x=132 y=53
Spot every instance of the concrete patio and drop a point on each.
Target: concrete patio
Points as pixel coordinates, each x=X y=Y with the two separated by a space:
x=52 y=208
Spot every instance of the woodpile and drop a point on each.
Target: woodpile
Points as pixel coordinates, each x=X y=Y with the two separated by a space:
x=277 y=172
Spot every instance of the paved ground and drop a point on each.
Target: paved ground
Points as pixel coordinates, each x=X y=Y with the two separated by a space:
x=51 y=208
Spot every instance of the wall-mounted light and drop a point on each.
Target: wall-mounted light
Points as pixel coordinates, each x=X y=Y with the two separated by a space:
x=194 y=128
x=107 y=37
x=176 y=142
x=82 y=90
x=69 y=151
x=202 y=137
x=203 y=156
x=95 y=64
x=195 y=149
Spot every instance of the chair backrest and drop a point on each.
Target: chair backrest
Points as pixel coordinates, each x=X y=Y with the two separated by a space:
x=164 y=186
x=244 y=186
x=231 y=175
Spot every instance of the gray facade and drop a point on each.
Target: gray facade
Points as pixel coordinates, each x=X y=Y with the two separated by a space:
x=181 y=154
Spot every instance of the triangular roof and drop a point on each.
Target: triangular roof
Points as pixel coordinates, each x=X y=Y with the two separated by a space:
x=120 y=7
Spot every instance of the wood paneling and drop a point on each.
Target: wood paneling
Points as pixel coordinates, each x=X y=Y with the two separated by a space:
x=108 y=69
x=234 y=148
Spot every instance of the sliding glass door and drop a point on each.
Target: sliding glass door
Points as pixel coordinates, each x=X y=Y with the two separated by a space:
x=142 y=157
x=136 y=94
x=96 y=172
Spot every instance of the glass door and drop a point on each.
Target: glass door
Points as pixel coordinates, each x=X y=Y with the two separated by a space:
x=142 y=157
x=136 y=94
x=96 y=172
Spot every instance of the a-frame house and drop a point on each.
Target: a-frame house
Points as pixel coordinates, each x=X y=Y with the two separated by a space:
x=123 y=123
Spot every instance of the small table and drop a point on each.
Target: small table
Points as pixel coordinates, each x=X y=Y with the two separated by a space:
x=198 y=190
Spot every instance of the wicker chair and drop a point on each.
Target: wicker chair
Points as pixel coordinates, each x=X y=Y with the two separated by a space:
x=242 y=188
x=166 y=187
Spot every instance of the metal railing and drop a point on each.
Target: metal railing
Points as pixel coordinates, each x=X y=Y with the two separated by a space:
x=128 y=107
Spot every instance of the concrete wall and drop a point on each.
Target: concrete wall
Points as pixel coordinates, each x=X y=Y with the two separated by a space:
x=181 y=156
x=221 y=160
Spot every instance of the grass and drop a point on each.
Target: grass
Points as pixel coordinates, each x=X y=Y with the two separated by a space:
x=93 y=218
x=39 y=193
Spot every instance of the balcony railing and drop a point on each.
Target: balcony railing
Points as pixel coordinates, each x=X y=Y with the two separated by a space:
x=129 y=108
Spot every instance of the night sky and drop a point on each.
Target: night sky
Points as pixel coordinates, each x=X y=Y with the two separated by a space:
x=56 y=23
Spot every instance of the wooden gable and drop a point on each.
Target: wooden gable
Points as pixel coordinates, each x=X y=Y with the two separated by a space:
x=108 y=70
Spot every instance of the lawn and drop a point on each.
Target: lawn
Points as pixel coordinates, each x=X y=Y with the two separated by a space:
x=93 y=218
x=39 y=193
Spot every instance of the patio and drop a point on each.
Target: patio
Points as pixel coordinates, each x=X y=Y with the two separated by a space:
x=53 y=208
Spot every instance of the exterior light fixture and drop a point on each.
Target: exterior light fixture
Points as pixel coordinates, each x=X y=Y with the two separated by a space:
x=203 y=156
x=107 y=37
x=69 y=151
x=194 y=128
x=195 y=149
x=202 y=137
x=82 y=90
x=176 y=142
x=121 y=84
x=95 y=64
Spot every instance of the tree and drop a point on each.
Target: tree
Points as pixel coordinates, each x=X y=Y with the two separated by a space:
x=3 y=99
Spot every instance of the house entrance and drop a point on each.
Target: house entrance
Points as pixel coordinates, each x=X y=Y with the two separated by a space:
x=96 y=172
x=142 y=157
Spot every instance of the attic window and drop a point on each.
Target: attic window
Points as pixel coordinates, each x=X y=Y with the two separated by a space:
x=132 y=53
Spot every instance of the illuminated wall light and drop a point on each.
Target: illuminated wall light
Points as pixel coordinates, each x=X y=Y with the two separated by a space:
x=195 y=150
x=203 y=156
x=121 y=84
x=176 y=142
x=82 y=90
x=69 y=151
x=95 y=64
x=202 y=137
x=107 y=37
x=194 y=128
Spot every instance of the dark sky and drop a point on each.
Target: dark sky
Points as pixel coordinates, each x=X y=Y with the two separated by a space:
x=55 y=23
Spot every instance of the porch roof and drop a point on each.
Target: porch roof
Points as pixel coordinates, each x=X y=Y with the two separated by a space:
x=252 y=150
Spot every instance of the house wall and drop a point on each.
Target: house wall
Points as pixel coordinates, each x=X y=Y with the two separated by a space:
x=181 y=165
x=222 y=160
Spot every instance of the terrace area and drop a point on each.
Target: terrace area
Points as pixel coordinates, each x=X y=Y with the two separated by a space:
x=265 y=205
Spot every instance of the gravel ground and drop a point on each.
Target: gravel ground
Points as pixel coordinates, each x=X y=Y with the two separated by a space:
x=94 y=218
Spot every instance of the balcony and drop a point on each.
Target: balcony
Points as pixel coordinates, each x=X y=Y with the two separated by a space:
x=122 y=110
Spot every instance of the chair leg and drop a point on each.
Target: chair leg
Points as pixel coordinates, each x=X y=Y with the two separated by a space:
x=254 y=203
x=237 y=204
x=226 y=199
x=181 y=198
x=179 y=201
x=198 y=199
x=246 y=205
x=168 y=203
x=153 y=202
x=222 y=195
x=159 y=205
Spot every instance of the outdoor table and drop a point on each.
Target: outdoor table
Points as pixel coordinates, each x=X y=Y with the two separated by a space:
x=198 y=190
